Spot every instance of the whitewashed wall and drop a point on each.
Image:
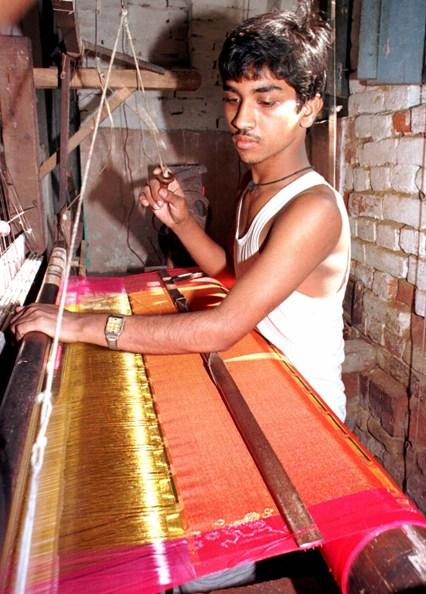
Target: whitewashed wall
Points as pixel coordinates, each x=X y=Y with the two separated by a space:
x=172 y=33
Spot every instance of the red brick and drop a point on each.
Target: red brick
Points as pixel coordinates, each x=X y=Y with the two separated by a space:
x=417 y=431
x=396 y=368
x=416 y=476
x=388 y=401
x=402 y=121
x=351 y=381
x=364 y=386
x=396 y=345
x=418 y=332
x=405 y=293
x=357 y=303
x=417 y=428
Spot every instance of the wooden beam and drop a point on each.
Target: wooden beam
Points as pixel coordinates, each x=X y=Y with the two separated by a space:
x=123 y=59
x=67 y=23
x=116 y=99
x=18 y=109
x=64 y=130
x=88 y=78
x=393 y=562
x=19 y=419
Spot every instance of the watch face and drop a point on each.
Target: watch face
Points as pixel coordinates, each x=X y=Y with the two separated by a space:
x=113 y=328
x=114 y=325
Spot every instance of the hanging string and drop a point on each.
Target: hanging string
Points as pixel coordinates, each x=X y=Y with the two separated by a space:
x=45 y=397
x=15 y=203
x=143 y=113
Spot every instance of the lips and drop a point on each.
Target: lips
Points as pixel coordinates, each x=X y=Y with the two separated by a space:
x=244 y=142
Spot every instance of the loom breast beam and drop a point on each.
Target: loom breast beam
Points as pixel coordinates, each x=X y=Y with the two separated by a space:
x=287 y=499
x=88 y=78
x=19 y=415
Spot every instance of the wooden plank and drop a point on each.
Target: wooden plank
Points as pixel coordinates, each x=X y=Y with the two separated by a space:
x=64 y=131
x=117 y=99
x=88 y=78
x=66 y=21
x=368 y=36
x=20 y=133
x=401 y=42
x=120 y=58
x=342 y=27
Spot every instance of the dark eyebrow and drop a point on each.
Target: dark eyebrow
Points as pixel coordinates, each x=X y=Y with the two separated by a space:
x=267 y=88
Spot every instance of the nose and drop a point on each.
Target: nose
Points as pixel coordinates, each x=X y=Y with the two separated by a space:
x=244 y=118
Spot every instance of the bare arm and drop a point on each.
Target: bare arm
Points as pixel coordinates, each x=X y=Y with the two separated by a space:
x=299 y=242
x=170 y=207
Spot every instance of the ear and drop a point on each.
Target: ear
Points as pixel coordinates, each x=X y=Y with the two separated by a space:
x=310 y=111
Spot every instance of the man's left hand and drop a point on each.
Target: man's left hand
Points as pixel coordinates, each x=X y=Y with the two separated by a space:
x=42 y=318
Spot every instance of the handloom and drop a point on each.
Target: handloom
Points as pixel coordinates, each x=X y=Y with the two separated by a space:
x=147 y=482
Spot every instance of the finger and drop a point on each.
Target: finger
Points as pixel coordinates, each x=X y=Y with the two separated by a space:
x=147 y=198
x=17 y=327
x=18 y=313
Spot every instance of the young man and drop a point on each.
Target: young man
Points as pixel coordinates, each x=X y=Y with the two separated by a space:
x=292 y=240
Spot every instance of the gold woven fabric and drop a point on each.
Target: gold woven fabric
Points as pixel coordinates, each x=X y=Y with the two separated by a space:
x=106 y=481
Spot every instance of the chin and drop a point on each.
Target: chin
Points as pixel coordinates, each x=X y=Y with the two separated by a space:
x=248 y=160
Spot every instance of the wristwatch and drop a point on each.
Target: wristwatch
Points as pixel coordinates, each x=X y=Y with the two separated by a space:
x=113 y=329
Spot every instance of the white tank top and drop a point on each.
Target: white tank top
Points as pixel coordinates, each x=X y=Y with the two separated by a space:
x=308 y=330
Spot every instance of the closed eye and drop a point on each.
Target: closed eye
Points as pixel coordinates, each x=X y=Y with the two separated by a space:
x=267 y=103
x=228 y=99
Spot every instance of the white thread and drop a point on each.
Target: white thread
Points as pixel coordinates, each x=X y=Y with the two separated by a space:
x=143 y=113
x=45 y=397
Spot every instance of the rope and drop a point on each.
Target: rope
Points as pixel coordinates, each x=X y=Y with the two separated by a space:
x=143 y=113
x=45 y=397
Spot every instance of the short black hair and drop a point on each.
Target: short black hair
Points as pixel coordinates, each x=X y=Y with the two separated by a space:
x=292 y=45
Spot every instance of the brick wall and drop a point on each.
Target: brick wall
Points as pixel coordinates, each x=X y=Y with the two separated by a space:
x=386 y=300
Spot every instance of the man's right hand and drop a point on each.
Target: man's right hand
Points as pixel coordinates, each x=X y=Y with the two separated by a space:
x=166 y=201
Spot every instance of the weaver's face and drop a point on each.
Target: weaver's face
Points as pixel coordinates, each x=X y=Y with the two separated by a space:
x=263 y=117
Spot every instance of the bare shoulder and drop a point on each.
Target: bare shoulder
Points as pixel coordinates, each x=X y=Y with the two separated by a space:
x=317 y=204
x=320 y=196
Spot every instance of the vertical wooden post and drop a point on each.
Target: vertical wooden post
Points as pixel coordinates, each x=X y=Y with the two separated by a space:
x=20 y=134
x=64 y=134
